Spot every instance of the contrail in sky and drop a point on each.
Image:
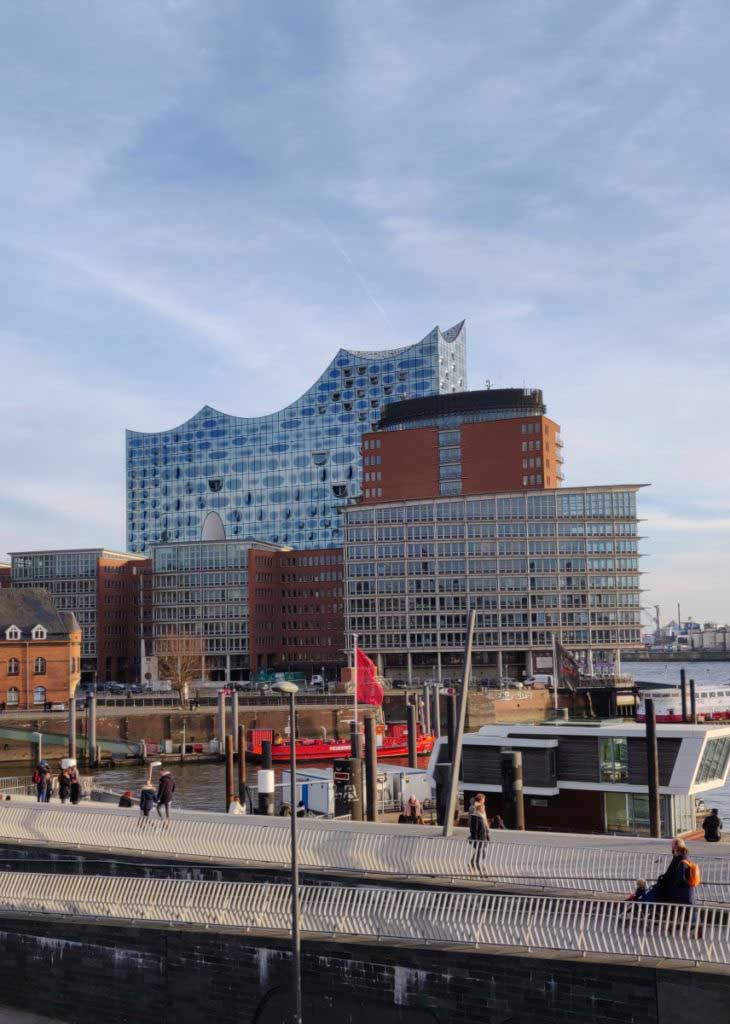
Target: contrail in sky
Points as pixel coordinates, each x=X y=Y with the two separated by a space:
x=361 y=279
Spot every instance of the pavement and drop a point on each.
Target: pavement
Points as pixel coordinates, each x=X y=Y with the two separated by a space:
x=12 y=1016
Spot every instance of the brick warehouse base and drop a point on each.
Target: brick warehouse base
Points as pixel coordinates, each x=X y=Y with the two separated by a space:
x=82 y=974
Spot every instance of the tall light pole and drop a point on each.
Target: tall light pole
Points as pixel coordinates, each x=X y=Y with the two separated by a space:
x=292 y=689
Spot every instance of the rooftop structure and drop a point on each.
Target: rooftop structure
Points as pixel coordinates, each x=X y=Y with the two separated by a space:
x=281 y=477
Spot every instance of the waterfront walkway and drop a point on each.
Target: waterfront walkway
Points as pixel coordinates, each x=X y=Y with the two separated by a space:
x=472 y=920
x=524 y=861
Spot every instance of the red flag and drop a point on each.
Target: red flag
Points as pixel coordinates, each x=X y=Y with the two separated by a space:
x=369 y=690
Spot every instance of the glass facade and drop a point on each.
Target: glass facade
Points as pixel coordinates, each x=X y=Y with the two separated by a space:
x=528 y=564
x=280 y=478
x=713 y=765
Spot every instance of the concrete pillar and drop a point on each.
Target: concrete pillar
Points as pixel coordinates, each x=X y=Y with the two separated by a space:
x=38 y=744
x=589 y=661
x=617 y=662
x=409 y=657
x=355 y=741
x=500 y=665
x=72 y=726
x=379 y=663
x=234 y=719
x=371 y=769
x=221 y=737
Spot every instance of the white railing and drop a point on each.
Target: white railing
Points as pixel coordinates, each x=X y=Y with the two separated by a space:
x=17 y=785
x=532 y=922
x=340 y=847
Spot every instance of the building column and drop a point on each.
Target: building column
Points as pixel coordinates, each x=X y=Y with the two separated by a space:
x=379 y=660
x=409 y=656
x=439 y=676
x=500 y=665
x=617 y=662
x=528 y=664
x=228 y=669
x=589 y=661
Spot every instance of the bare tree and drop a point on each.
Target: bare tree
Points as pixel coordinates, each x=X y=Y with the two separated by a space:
x=180 y=660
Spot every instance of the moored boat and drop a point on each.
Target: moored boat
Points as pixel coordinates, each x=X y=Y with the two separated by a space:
x=713 y=704
x=392 y=742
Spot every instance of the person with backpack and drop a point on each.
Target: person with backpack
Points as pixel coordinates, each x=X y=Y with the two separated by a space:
x=680 y=881
x=712 y=827
x=39 y=778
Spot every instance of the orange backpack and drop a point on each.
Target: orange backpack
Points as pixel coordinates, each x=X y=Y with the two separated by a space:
x=693 y=878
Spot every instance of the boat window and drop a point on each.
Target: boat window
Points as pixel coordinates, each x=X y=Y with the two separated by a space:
x=713 y=694
x=614 y=759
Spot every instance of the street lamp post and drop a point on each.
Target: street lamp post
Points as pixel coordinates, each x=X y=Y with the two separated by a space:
x=292 y=689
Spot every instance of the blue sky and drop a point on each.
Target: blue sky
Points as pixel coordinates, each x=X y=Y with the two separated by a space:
x=203 y=199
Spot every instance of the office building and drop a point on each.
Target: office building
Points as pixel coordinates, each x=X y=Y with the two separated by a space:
x=40 y=650
x=4 y=575
x=468 y=443
x=101 y=588
x=281 y=478
x=560 y=563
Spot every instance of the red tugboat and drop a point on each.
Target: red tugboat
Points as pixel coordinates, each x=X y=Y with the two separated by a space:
x=392 y=742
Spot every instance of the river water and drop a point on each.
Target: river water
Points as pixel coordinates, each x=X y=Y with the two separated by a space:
x=202 y=786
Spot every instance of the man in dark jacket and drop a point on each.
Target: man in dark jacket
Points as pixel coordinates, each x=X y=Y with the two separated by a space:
x=165 y=790
x=712 y=827
x=673 y=886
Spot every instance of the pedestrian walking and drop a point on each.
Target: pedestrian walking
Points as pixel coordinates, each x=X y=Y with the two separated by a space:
x=39 y=778
x=64 y=785
x=712 y=827
x=49 y=784
x=478 y=831
x=498 y=822
x=147 y=799
x=75 y=793
x=165 y=791
x=125 y=800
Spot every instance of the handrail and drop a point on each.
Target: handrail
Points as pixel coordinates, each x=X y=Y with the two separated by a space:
x=699 y=935
x=335 y=847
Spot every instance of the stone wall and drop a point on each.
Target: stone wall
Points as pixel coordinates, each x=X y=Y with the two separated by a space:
x=83 y=974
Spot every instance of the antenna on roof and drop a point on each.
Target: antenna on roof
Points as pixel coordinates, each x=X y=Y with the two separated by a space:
x=488 y=384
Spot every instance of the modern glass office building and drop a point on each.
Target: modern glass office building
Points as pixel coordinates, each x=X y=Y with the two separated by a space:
x=279 y=478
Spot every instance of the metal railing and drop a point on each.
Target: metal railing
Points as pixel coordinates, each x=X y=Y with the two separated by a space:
x=699 y=935
x=332 y=846
x=252 y=699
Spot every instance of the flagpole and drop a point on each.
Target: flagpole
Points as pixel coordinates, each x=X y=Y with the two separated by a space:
x=555 y=673
x=354 y=666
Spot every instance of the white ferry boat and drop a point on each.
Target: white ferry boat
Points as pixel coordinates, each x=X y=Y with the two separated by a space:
x=713 y=704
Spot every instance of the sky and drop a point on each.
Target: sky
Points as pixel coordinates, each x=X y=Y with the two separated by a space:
x=204 y=199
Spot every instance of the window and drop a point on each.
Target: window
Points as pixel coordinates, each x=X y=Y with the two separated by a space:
x=39 y=633
x=39 y=695
x=12 y=633
x=714 y=761
x=13 y=695
x=39 y=666
x=614 y=759
x=13 y=667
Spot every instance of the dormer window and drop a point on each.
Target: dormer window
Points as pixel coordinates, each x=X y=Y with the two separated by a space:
x=39 y=633
x=12 y=633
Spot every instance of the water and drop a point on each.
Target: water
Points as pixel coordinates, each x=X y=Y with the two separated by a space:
x=704 y=673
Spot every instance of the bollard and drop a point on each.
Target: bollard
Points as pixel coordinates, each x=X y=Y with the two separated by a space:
x=91 y=750
x=442 y=774
x=683 y=685
x=652 y=764
x=265 y=780
x=72 y=726
x=693 y=702
x=355 y=741
x=242 y=765
x=221 y=721
x=230 y=791
x=234 y=720
x=412 y=749
x=513 y=798
x=371 y=770
x=356 y=801
x=436 y=714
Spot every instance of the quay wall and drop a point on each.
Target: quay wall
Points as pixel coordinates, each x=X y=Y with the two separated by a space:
x=83 y=974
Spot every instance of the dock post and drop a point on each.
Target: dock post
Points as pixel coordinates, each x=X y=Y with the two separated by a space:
x=265 y=780
x=652 y=769
x=230 y=791
x=355 y=741
x=221 y=721
x=242 y=766
x=427 y=709
x=412 y=747
x=356 y=808
x=91 y=751
x=683 y=684
x=234 y=720
x=442 y=774
x=693 y=702
x=451 y=722
x=513 y=797
x=72 y=726
x=436 y=714
x=371 y=770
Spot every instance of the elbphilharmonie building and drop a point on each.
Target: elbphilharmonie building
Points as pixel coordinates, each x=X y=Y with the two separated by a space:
x=280 y=478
